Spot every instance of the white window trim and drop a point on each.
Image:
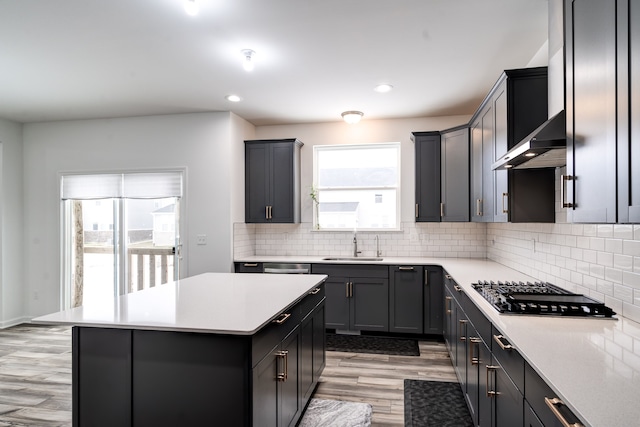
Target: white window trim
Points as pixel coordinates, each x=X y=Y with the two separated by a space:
x=398 y=187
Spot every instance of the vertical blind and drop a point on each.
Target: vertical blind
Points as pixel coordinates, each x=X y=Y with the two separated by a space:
x=137 y=185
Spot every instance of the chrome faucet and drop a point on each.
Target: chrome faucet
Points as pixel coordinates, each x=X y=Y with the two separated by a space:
x=378 y=251
x=355 y=246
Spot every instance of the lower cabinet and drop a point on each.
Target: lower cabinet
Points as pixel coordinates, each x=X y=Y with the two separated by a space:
x=357 y=296
x=164 y=378
x=406 y=299
x=543 y=404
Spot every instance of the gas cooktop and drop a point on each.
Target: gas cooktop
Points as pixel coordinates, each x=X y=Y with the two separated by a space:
x=539 y=298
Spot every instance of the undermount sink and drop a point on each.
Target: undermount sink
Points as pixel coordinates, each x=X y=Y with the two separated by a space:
x=352 y=258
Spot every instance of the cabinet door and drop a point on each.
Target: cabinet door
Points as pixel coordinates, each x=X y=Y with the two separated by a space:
x=460 y=347
x=629 y=112
x=306 y=357
x=338 y=302
x=591 y=110
x=476 y=199
x=501 y=125
x=450 y=324
x=488 y=154
x=257 y=182
x=289 y=401
x=530 y=417
x=406 y=299
x=265 y=391
x=281 y=185
x=319 y=342
x=428 y=163
x=433 y=296
x=477 y=357
x=455 y=176
x=370 y=304
x=507 y=400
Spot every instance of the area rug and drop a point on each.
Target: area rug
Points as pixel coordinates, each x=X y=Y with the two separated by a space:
x=435 y=404
x=336 y=413
x=372 y=344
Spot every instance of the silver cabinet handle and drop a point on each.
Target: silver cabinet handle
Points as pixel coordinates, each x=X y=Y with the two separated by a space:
x=283 y=318
x=563 y=190
x=346 y=288
x=403 y=268
x=498 y=339
x=479 y=207
x=505 y=208
x=250 y=265
x=491 y=393
x=426 y=277
x=441 y=210
x=417 y=210
x=315 y=291
x=284 y=356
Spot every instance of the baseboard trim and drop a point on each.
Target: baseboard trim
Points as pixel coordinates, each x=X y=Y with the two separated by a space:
x=13 y=322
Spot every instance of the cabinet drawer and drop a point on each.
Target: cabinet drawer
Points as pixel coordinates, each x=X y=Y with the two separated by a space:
x=479 y=321
x=311 y=300
x=351 y=270
x=248 y=267
x=510 y=359
x=536 y=390
x=269 y=336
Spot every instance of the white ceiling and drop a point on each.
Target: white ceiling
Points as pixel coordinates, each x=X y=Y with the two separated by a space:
x=76 y=59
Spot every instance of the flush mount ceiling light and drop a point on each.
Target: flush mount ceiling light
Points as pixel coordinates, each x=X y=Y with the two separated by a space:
x=352 y=117
x=383 y=88
x=248 y=63
x=191 y=7
x=233 y=98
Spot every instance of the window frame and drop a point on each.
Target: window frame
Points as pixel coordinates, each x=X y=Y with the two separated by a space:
x=398 y=187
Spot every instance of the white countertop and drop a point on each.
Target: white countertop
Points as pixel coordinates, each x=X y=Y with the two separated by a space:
x=225 y=303
x=592 y=364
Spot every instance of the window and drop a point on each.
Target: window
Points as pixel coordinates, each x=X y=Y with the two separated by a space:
x=357 y=187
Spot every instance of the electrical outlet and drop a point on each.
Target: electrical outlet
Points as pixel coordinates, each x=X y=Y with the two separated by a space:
x=201 y=239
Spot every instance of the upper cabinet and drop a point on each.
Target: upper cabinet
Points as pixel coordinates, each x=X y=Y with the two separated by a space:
x=514 y=107
x=272 y=181
x=442 y=175
x=602 y=48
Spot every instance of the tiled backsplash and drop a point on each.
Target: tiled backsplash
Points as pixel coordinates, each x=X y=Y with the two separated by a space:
x=459 y=240
x=602 y=261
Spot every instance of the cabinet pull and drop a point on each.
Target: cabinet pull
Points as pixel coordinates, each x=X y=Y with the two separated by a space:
x=447 y=304
x=505 y=208
x=346 y=289
x=491 y=393
x=350 y=289
x=426 y=278
x=553 y=404
x=403 y=268
x=315 y=291
x=457 y=288
x=460 y=325
x=250 y=265
x=479 y=207
x=266 y=212
x=563 y=190
x=282 y=355
x=441 y=210
x=472 y=359
x=283 y=318
x=270 y=212
x=417 y=210
x=498 y=339
x=447 y=276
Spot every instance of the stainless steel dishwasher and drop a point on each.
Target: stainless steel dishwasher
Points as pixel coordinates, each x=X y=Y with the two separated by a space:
x=286 y=268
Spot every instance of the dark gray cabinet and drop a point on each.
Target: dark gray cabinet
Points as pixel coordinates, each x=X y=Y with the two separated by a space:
x=603 y=113
x=357 y=296
x=442 y=175
x=428 y=164
x=539 y=400
x=272 y=181
x=514 y=107
x=167 y=378
x=248 y=267
x=433 y=297
x=406 y=299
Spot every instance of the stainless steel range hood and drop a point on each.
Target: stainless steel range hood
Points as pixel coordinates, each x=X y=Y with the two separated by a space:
x=545 y=147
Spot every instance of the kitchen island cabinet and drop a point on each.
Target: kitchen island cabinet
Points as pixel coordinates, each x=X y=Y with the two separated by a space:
x=212 y=349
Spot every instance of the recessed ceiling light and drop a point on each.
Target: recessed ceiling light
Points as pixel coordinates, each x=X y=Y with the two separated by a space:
x=191 y=7
x=248 y=63
x=233 y=98
x=383 y=88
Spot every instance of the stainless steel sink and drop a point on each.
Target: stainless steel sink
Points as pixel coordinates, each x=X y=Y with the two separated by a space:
x=352 y=258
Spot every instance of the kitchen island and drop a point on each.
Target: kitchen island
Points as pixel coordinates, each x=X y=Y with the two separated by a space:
x=214 y=349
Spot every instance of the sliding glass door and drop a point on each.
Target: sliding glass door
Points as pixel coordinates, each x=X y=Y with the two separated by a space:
x=121 y=234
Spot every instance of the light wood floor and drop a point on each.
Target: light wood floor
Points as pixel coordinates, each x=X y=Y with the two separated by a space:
x=378 y=379
x=35 y=377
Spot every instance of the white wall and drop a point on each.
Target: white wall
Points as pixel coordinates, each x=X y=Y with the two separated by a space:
x=11 y=224
x=367 y=131
x=206 y=144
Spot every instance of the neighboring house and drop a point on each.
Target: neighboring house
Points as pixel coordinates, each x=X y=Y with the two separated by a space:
x=164 y=226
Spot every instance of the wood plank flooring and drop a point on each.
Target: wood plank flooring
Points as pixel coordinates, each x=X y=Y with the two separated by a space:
x=378 y=379
x=35 y=377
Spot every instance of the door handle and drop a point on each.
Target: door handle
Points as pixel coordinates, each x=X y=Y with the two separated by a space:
x=563 y=190
x=505 y=207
